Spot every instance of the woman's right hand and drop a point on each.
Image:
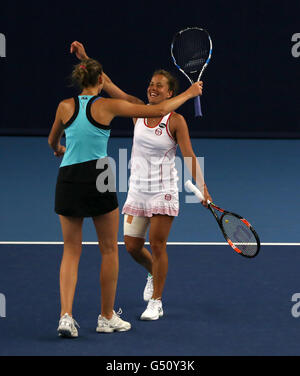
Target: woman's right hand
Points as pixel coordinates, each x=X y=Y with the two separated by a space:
x=78 y=49
x=195 y=89
x=207 y=197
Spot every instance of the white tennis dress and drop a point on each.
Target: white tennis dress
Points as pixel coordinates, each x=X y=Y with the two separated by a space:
x=153 y=180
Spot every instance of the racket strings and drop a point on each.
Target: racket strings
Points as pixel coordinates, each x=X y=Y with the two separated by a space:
x=240 y=234
x=191 y=49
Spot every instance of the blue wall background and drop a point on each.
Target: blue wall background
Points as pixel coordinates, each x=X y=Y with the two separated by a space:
x=258 y=179
x=251 y=84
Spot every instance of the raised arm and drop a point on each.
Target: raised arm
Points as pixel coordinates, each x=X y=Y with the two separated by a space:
x=126 y=109
x=109 y=87
x=115 y=92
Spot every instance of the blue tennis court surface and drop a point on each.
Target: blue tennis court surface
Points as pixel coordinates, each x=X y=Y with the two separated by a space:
x=215 y=302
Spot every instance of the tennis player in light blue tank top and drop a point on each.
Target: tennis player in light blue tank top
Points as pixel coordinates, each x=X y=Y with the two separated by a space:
x=84 y=140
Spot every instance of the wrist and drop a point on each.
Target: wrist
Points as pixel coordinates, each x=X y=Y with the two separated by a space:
x=56 y=147
x=189 y=94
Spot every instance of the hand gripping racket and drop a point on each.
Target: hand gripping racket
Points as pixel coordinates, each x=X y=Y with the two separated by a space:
x=237 y=231
x=191 y=50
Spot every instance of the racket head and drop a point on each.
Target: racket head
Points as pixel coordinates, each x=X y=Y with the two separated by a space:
x=191 y=50
x=239 y=233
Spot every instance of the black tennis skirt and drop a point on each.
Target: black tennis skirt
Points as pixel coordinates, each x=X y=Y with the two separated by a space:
x=85 y=189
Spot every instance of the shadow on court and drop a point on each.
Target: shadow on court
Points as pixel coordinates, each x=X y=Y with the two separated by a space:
x=216 y=303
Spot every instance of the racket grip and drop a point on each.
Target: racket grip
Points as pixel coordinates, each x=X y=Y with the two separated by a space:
x=197 y=106
x=188 y=184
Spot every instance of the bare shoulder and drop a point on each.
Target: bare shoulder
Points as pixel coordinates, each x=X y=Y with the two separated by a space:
x=65 y=109
x=104 y=104
x=176 y=120
x=103 y=109
x=68 y=100
x=105 y=101
x=66 y=104
x=176 y=117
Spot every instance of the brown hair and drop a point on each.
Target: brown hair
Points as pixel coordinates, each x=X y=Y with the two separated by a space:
x=86 y=73
x=172 y=81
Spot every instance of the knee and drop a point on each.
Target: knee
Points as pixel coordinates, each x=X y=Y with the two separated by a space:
x=158 y=247
x=132 y=247
x=108 y=248
x=72 y=248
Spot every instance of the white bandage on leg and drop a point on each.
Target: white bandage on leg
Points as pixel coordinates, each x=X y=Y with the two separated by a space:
x=136 y=226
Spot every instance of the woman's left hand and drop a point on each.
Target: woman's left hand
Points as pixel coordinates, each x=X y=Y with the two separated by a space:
x=60 y=151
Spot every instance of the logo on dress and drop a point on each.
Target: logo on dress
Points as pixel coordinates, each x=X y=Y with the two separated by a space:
x=168 y=197
x=162 y=125
x=158 y=132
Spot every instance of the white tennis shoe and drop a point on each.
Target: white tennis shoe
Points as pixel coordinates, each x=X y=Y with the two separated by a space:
x=67 y=327
x=115 y=324
x=153 y=311
x=148 y=290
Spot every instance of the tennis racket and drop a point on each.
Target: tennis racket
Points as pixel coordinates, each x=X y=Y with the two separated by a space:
x=191 y=50
x=237 y=231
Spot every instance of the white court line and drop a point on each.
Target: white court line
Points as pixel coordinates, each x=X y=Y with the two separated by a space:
x=147 y=243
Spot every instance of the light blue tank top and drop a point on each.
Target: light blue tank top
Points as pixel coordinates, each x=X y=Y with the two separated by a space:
x=86 y=139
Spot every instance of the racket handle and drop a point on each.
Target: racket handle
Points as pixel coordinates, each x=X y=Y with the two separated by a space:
x=188 y=184
x=197 y=106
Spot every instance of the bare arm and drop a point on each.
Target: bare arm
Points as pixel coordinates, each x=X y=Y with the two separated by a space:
x=181 y=132
x=123 y=108
x=109 y=87
x=115 y=92
x=56 y=133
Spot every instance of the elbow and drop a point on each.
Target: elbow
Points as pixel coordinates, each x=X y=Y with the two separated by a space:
x=51 y=143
